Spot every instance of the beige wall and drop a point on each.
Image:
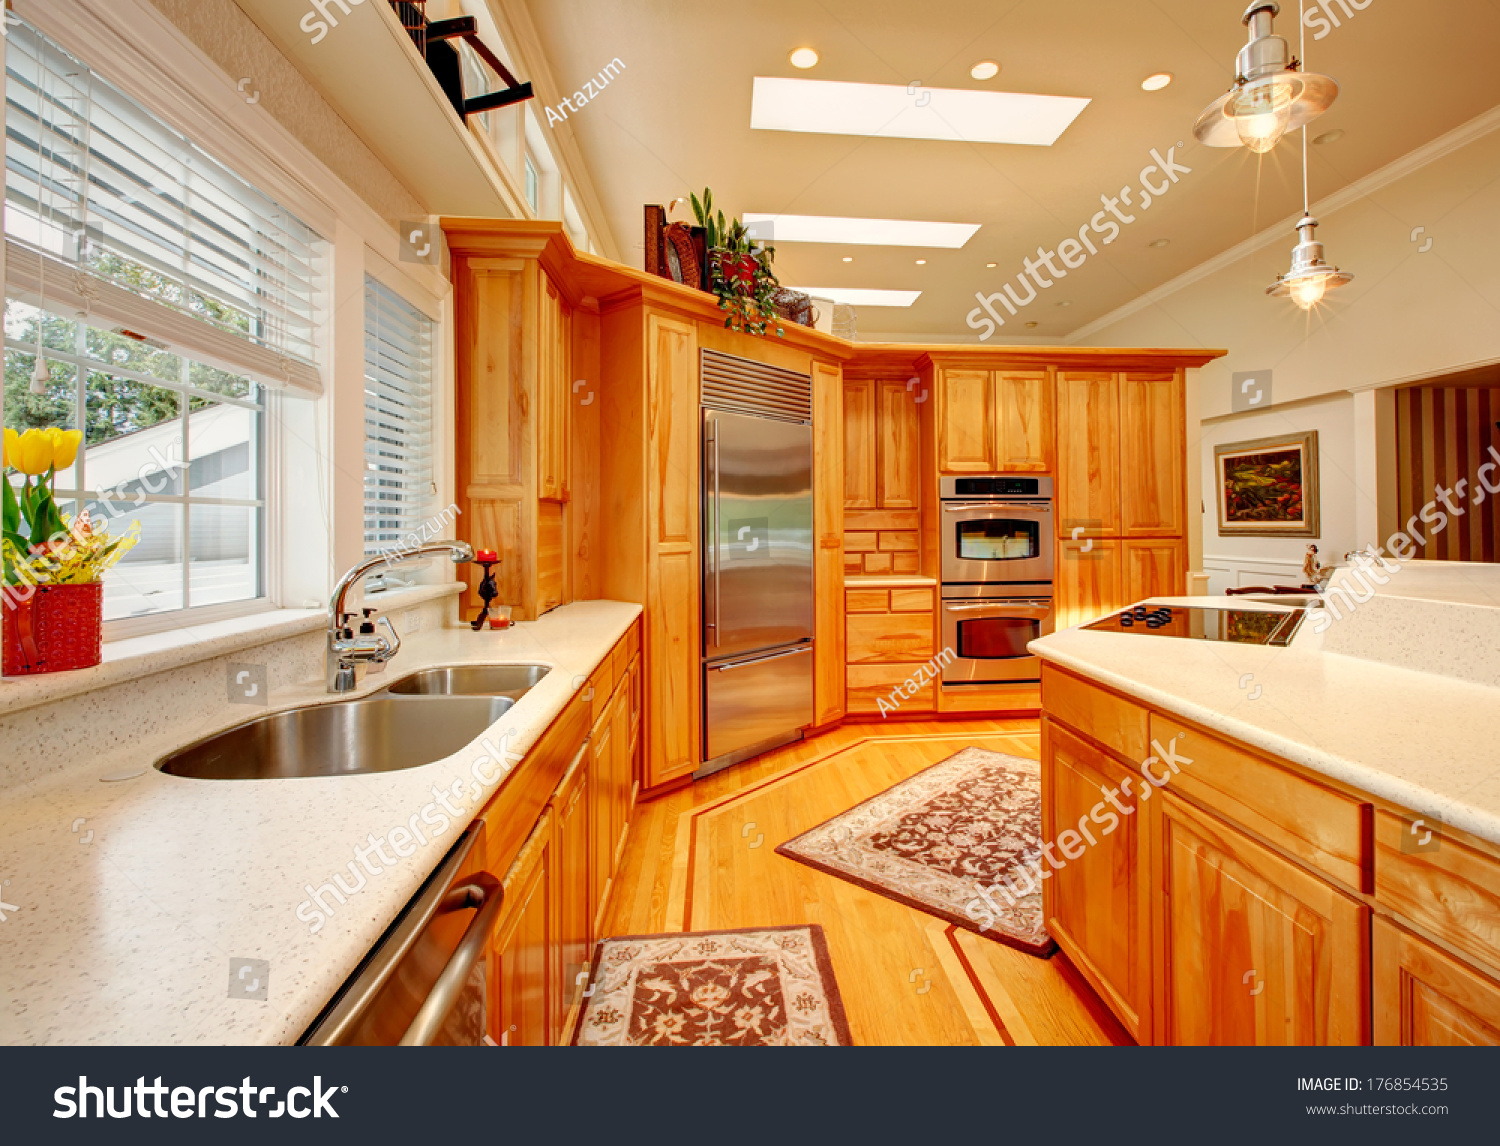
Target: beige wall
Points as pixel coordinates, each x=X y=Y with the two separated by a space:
x=229 y=37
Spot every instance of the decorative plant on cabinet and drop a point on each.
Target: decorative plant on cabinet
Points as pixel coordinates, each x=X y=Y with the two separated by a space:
x=739 y=270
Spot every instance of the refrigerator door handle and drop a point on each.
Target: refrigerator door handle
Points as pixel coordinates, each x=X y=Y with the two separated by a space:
x=797 y=652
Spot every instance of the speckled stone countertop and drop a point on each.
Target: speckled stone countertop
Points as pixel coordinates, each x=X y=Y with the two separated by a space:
x=1425 y=741
x=132 y=897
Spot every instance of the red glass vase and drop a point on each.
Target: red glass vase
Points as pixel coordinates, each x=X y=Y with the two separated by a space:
x=56 y=628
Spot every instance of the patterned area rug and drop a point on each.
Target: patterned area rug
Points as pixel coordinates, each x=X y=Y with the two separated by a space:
x=941 y=840
x=768 y=987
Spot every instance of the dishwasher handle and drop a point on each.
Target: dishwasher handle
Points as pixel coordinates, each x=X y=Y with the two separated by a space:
x=484 y=892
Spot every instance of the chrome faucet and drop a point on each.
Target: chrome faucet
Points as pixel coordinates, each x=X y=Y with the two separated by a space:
x=347 y=650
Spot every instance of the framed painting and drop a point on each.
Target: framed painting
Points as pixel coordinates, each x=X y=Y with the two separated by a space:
x=1268 y=487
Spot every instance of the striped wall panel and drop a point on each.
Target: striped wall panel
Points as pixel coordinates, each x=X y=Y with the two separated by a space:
x=1444 y=434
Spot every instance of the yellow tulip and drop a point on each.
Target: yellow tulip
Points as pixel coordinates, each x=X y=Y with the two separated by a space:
x=33 y=452
x=64 y=446
x=12 y=454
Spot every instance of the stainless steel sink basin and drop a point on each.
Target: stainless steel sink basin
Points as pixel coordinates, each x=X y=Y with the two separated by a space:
x=381 y=734
x=471 y=680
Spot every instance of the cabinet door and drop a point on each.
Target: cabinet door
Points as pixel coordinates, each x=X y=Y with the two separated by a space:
x=861 y=445
x=552 y=396
x=898 y=478
x=966 y=421
x=832 y=433
x=1424 y=997
x=1254 y=951
x=1155 y=569
x=1023 y=421
x=575 y=908
x=601 y=816
x=524 y=957
x=619 y=786
x=1089 y=581
x=1096 y=905
x=1088 y=454
x=1153 y=447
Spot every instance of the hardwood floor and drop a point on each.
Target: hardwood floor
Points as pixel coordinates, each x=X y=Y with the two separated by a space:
x=703 y=859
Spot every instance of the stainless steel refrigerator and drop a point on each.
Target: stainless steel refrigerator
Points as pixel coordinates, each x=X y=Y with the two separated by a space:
x=757 y=584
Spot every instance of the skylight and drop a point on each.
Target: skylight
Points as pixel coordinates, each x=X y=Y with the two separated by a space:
x=893 y=111
x=863 y=232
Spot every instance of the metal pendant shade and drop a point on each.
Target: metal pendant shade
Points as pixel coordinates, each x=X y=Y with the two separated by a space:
x=1271 y=94
x=1310 y=277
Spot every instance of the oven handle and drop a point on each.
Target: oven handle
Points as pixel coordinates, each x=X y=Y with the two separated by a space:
x=1037 y=609
x=1001 y=506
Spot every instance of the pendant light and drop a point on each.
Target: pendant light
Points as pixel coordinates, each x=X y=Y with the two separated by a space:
x=1310 y=277
x=1271 y=94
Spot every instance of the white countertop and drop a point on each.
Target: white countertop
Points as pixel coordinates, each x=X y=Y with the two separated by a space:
x=1422 y=740
x=126 y=935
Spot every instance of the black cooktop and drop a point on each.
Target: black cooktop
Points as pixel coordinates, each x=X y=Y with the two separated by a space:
x=1236 y=626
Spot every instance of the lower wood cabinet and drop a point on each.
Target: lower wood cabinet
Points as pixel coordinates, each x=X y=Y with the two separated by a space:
x=1426 y=997
x=1254 y=951
x=1096 y=907
x=524 y=1002
x=575 y=903
x=891 y=641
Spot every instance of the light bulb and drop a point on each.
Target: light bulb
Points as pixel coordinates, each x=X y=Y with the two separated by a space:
x=1308 y=292
x=1262 y=114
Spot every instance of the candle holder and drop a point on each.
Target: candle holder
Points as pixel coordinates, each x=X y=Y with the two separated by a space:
x=488 y=590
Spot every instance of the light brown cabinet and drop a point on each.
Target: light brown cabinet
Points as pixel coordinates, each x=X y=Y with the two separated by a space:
x=1023 y=421
x=1255 y=951
x=575 y=916
x=1426 y=997
x=898 y=482
x=525 y=1006
x=1154 y=569
x=1096 y=907
x=1089 y=582
x=994 y=421
x=1088 y=469
x=1153 y=450
x=555 y=338
x=966 y=419
x=834 y=435
x=861 y=444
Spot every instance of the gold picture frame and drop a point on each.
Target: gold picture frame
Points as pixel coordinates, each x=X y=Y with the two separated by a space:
x=1268 y=487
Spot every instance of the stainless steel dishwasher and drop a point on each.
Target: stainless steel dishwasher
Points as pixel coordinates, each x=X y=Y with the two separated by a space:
x=425 y=981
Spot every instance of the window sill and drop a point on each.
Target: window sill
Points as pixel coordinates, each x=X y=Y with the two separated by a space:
x=136 y=657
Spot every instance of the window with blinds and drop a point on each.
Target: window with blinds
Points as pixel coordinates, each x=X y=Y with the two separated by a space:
x=398 y=420
x=175 y=245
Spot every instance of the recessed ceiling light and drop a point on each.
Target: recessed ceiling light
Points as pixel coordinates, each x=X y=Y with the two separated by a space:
x=985 y=70
x=1157 y=82
x=921 y=262
x=848 y=258
x=1065 y=304
x=861 y=232
x=1330 y=136
x=803 y=58
x=1032 y=325
x=888 y=111
x=858 y=296
x=1159 y=243
x=992 y=264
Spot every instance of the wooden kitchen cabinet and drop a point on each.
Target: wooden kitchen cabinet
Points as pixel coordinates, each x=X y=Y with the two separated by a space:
x=1426 y=997
x=1153 y=447
x=861 y=443
x=1088 y=463
x=1090 y=581
x=965 y=422
x=553 y=399
x=1252 y=949
x=1154 y=569
x=1096 y=906
x=619 y=771
x=832 y=444
x=575 y=914
x=524 y=956
x=1024 y=421
x=898 y=477
x=891 y=640
x=601 y=758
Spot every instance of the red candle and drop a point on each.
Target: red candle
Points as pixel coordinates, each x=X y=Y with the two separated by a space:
x=487 y=555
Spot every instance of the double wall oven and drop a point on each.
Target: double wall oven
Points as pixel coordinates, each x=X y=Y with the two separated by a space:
x=998 y=548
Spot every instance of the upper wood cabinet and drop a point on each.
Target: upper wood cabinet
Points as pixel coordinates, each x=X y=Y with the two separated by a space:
x=1088 y=469
x=966 y=422
x=1424 y=997
x=1153 y=445
x=898 y=477
x=553 y=401
x=861 y=444
x=1023 y=421
x=1255 y=951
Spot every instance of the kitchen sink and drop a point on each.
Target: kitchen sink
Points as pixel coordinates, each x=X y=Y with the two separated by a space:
x=471 y=680
x=380 y=734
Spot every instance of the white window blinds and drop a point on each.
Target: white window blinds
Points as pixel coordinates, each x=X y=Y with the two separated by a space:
x=115 y=217
x=398 y=419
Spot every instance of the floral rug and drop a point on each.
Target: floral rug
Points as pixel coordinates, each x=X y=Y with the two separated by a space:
x=768 y=987
x=943 y=840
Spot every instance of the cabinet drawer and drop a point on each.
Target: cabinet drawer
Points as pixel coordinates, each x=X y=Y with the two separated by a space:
x=1315 y=824
x=868 y=684
x=911 y=600
x=890 y=639
x=1113 y=721
x=1452 y=890
x=867 y=601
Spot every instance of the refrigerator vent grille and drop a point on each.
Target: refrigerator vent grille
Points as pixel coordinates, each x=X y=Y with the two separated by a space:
x=741 y=386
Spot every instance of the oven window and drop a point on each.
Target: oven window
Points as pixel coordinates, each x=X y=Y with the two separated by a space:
x=999 y=540
x=996 y=638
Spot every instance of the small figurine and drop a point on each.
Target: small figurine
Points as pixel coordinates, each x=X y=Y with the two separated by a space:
x=488 y=590
x=1314 y=573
